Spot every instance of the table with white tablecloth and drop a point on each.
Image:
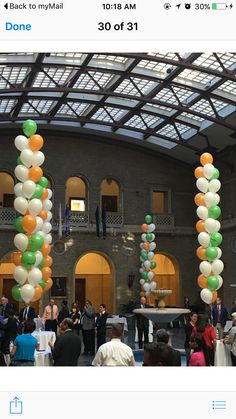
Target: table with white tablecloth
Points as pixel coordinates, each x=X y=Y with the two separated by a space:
x=43 y=358
x=43 y=338
x=117 y=319
x=222 y=354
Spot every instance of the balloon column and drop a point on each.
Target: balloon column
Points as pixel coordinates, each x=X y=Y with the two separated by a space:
x=208 y=227
x=146 y=257
x=33 y=240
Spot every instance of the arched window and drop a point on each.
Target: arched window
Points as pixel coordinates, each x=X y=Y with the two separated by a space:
x=6 y=190
x=76 y=194
x=110 y=195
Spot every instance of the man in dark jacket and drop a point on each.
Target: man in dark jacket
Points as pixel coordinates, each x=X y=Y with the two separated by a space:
x=64 y=312
x=220 y=316
x=163 y=337
x=66 y=350
x=142 y=324
x=27 y=313
x=100 y=324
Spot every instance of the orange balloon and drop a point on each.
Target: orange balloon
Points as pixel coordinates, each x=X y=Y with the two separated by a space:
x=201 y=253
x=202 y=281
x=16 y=258
x=200 y=226
x=48 y=261
x=144 y=228
x=46 y=272
x=146 y=246
x=29 y=223
x=35 y=173
x=198 y=172
x=35 y=142
x=44 y=194
x=43 y=214
x=206 y=158
x=48 y=284
x=214 y=296
x=38 y=292
x=45 y=249
x=199 y=199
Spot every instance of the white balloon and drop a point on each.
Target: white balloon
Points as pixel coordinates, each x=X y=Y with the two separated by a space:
x=21 y=172
x=204 y=239
x=146 y=286
x=210 y=225
x=39 y=258
x=21 y=205
x=153 y=246
x=141 y=281
x=21 y=241
x=35 y=275
x=35 y=206
x=18 y=189
x=214 y=185
x=151 y=275
x=29 y=188
x=38 y=158
x=49 y=193
x=153 y=285
x=143 y=237
x=20 y=274
x=26 y=157
x=205 y=268
x=27 y=293
x=217 y=226
x=208 y=170
x=21 y=142
x=39 y=224
x=47 y=227
x=219 y=252
x=211 y=198
x=220 y=282
x=47 y=205
x=202 y=184
x=202 y=212
x=206 y=295
x=147 y=293
x=147 y=264
x=48 y=238
x=150 y=255
x=217 y=266
x=151 y=228
x=141 y=244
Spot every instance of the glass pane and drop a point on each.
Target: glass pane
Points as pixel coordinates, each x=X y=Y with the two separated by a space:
x=158 y=202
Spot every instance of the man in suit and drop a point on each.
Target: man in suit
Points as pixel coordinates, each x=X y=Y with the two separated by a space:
x=142 y=324
x=88 y=328
x=5 y=307
x=100 y=324
x=67 y=347
x=27 y=313
x=163 y=337
x=220 y=316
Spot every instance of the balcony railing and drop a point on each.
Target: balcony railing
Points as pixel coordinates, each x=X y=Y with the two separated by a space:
x=114 y=219
x=7 y=216
x=79 y=219
x=164 y=221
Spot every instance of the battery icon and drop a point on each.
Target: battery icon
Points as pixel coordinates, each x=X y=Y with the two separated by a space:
x=219 y=6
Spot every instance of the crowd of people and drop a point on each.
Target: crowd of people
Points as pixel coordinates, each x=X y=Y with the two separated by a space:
x=77 y=328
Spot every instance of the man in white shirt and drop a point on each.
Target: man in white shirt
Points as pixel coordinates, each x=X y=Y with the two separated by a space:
x=115 y=352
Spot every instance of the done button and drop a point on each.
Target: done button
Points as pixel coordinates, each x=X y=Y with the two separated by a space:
x=17 y=26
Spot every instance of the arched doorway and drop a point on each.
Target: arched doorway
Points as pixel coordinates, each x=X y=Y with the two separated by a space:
x=167 y=276
x=94 y=281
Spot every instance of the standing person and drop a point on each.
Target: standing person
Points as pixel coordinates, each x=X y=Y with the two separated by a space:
x=24 y=346
x=5 y=306
x=115 y=352
x=75 y=315
x=157 y=355
x=50 y=316
x=10 y=327
x=142 y=324
x=88 y=328
x=100 y=324
x=199 y=355
x=209 y=335
x=67 y=347
x=188 y=328
x=64 y=312
x=27 y=313
x=162 y=336
x=220 y=316
x=230 y=339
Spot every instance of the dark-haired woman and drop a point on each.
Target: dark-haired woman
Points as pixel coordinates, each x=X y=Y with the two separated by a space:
x=75 y=315
x=209 y=335
x=24 y=346
x=199 y=354
x=188 y=331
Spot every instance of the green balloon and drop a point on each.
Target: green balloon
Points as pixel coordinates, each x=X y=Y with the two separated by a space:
x=211 y=253
x=29 y=127
x=16 y=292
x=212 y=282
x=38 y=192
x=43 y=182
x=41 y=265
x=150 y=237
x=42 y=283
x=144 y=275
x=35 y=242
x=144 y=255
x=153 y=265
x=28 y=259
x=18 y=224
x=19 y=161
x=214 y=212
x=216 y=174
x=148 y=219
x=216 y=239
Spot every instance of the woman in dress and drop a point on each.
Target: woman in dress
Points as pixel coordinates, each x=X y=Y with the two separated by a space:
x=198 y=356
x=75 y=315
x=209 y=335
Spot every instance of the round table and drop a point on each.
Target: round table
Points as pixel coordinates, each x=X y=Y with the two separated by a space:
x=222 y=355
x=43 y=338
x=43 y=358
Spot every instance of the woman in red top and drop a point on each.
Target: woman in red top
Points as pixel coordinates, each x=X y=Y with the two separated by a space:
x=208 y=333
